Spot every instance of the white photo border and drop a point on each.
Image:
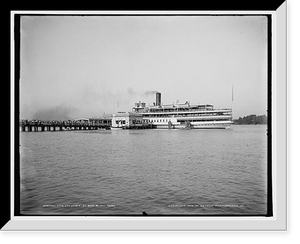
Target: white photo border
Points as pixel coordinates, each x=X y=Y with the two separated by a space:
x=278 y=222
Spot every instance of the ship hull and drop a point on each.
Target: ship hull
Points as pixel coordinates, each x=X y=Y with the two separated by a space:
x=116 y=128
x=212 y=127
x=195 y=125
x=225 y=126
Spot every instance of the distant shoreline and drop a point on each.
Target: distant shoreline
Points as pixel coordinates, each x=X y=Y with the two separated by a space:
x=251 y=120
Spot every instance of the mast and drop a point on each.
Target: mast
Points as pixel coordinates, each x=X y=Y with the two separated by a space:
x=232 y=103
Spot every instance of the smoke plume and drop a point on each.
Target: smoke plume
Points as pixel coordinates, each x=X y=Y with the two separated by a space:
x=61 y=112
x=132 y=92
x=149 y=93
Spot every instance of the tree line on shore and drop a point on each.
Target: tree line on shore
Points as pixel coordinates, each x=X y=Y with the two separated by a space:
x=251 y=119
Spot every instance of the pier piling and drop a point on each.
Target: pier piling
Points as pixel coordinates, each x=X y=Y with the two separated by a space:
x=53 y=126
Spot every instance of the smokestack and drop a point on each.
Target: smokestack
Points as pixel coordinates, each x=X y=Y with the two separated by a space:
x=158 y=99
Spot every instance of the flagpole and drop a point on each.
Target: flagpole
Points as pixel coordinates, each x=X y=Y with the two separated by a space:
x=232 y=103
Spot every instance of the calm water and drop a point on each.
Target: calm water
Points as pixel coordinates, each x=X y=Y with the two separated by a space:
x=162 y=172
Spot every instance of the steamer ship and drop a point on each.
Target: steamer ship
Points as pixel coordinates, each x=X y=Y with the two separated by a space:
x=183 y=116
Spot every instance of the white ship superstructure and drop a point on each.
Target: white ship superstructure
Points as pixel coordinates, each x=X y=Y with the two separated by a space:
x=184 y=116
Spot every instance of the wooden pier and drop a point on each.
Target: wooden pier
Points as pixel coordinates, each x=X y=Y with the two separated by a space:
x=43 y=126
x=82 y=124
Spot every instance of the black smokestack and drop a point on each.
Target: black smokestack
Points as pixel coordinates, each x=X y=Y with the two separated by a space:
x=158 y=99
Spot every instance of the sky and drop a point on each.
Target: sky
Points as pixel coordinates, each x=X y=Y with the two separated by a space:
x=85 y=66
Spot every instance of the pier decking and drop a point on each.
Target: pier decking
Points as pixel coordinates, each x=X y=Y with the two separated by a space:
x=42 y=126
x=91 y=124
